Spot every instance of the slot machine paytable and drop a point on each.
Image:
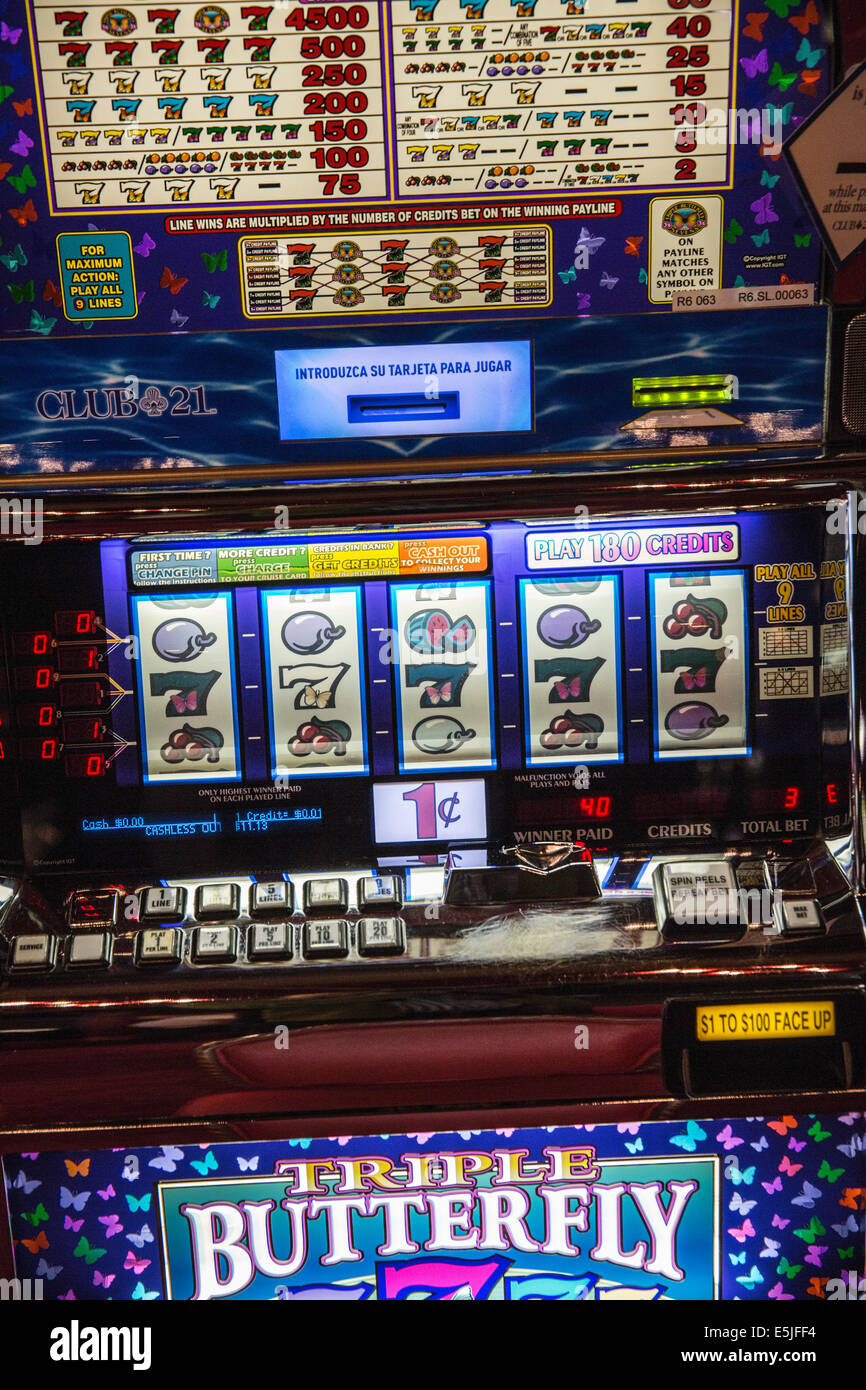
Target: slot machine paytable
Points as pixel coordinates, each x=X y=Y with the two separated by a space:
x=431 y=707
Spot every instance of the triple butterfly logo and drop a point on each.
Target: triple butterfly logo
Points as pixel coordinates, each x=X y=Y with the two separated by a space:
x=77 y=1343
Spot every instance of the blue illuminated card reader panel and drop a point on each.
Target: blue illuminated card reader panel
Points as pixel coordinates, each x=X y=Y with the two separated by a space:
x=459 y=388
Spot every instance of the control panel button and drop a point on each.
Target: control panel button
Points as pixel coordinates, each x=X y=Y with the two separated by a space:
x=698 y=900
x=99 y=909
x=211 y=945
x=326 y=895
x=216 y=900
x=90 y=949
x=376 y=893
x=33 y=952
x=794 y=915
x=381 y=936
x=326 y=940
x=267 y=899
x=162 y=904
x=269 y=941
x=159 y=946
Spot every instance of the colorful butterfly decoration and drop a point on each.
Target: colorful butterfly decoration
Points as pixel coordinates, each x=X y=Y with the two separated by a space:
x=26 y=179
x=171 y=282
x=22 y=293
x=733 y=232
x=803 y=22
x=87 y=1252
x=23 y=108
x=205 y=1165
x=210 y=301
x=752 y=66
x=38 y=324
x=24 y=214
x=633 y=245
x=51 y=293
x=145 y=246
x=213 y=263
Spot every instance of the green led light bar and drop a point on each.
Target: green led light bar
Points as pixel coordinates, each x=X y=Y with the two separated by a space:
x=682 y=390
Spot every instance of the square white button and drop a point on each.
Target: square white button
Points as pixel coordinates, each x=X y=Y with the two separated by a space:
x=88 y=949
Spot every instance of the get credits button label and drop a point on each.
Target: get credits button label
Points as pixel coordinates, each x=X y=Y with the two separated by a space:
x=754 y=1022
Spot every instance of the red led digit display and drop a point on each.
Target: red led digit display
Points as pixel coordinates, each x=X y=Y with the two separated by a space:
x=595 y=807
x=36 y=716
x=77 y=660
x=31 y=643
x=33 y=677
x=43 y=750
x=82 y=694
x=75 y=623
x=832 y=791
x=792 y=798
x=87 y=730
x=84 y=765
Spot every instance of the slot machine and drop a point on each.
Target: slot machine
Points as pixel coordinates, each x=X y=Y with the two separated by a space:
x=432 y=838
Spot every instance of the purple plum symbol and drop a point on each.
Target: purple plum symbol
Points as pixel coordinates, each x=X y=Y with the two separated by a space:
x=693 y=720
x=566 y=626
x=181 y=639
x=307 y=634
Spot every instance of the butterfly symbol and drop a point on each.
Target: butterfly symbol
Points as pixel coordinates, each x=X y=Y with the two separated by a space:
x=781 y=79
x=636 y=1147
x=51 y=293
x=179 y=319
x=633 y=245
x=607 y=282
x=26 y=1185
x=566 y=690
x=808 y=82
x=89 y=1253
x=567 y=275
x=249 y=1165
x=759 y=1144
x=107 y=1192
x=5 y=92
x=207 y=1163
x=809 y=55
x=643 y=277
x=436 y=693
x=774 y=1186
x=9 y=35
x=763 y=239
x=145 y=246
x=831 y=1174
x=112 y=1224
x=770 y=1250
x=167 y=1160
x=784 y=112
x=78 y=1200
x=105 y=1280
x=210 y=301
x=34 y=1217
x=23 y=108
x=817 y=1133
x=169 y=281
x=786 y=1166
x=70 y=1225
x=728 y=1138
x=22 y=293
x=138 y=1203
x=780 y=1222
x=24 y=214
x=777 y=1293
x=785 y=1267
x=217 y=262
x=305 y=1143
x=769 y=180
x=796 y=1145
x=26 y=179
x=850 y=1197
x=46 y=1271
x=782 y=8
x=808 y=1234
x=741 y=1175
x=752 y=1278
x=847 y=1253
x=142 y=1294
x=134 y=1263
x=734 y=232
x=40 y=1243
x=813 y=1257
x=697 y=681
x=38 y=324
x=737 y=1259
x=849 y=1150
x=583 y=302
x=140 y=1238
x=741 y=1233
x=23 y=145
x=846 y=1228
x=803 y=22
x=589 y=243
x=738 y=1203
x=755 y=27
x=752 y=66
x=689 y=1140
x=764 y=210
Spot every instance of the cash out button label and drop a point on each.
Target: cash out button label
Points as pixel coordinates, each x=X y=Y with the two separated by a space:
x=750 y=1022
